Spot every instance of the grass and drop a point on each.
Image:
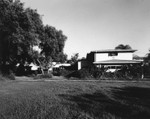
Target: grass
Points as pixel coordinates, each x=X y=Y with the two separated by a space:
x=74 y=100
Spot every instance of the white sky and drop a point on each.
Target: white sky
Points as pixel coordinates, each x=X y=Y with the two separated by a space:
x=98 y=24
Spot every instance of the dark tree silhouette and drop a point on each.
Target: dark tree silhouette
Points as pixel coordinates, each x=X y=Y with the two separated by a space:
x=20 y=30
x=53 y=43
x=121 y=46
x=74 y=58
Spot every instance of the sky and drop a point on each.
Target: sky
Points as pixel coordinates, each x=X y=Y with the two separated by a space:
x=97 y=24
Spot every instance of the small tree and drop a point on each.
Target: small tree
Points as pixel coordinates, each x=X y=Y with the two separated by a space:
x=74 y=58
x=20 y=30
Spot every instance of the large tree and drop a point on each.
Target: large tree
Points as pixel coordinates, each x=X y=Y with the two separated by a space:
x=21 y=29
x=52 y=44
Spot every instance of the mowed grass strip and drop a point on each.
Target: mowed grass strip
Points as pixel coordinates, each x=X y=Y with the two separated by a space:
x=74 y=100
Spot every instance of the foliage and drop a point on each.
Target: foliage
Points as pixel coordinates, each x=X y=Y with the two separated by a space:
x=2 y=77
x=85 y=73
x=133 y=72
x=146 y=66
x=10 y=76
x=79 y=74
x=20 y=30
x=125 y=73
x=52 y=44
x=74 y=58
x=121 y=46
x=65 y=72
x=44 y=76
x=147 y=59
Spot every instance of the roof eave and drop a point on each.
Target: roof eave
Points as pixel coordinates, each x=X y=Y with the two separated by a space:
x=107 y=51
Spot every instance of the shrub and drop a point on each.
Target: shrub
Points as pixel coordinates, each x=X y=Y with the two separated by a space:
x=43 y=76
x=114 y=76
x=2 y=78
x=7 y=77
x=11 y=76
x=57 y=73
x=126 y=73
x=89 y=72
x=65 y=72
x=83 y=73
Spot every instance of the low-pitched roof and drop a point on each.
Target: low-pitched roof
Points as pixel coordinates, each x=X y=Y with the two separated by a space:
x=117 y=62
x=114 y=50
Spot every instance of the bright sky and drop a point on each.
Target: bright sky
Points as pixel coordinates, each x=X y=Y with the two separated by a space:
x=98 y=24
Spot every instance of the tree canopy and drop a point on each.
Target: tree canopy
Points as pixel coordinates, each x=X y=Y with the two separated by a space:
x=147 y=58
x=21 y=29
x=53 y=44
x=121 y=46
x=74 y=58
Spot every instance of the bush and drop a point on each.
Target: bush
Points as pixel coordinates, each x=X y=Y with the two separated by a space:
x=2 y=78
x=65 y=72
x=89 y=72
x=43 y=76
x=11 y=76
x=7 y=74
x=57 y=73
x=83 y=73
x=114 y=76
x=7 y=77
x=125 y=73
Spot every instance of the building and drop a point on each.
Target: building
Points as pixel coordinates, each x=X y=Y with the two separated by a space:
x=82 y=63
x=112 y=58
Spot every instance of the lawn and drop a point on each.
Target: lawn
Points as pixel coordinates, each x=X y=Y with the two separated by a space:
x=74 y=100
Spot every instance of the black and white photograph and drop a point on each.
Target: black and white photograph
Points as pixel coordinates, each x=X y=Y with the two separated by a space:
x=74 y=59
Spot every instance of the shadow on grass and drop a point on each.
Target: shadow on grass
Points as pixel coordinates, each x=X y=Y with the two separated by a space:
x=127 y=102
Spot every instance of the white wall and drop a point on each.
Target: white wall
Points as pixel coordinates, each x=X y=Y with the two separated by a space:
x=125 y=56
x=79 y=65
x=120 y=56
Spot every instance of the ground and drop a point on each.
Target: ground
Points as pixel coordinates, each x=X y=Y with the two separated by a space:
x=65 y=99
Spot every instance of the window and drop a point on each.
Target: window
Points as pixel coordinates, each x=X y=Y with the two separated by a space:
x=112 y=54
